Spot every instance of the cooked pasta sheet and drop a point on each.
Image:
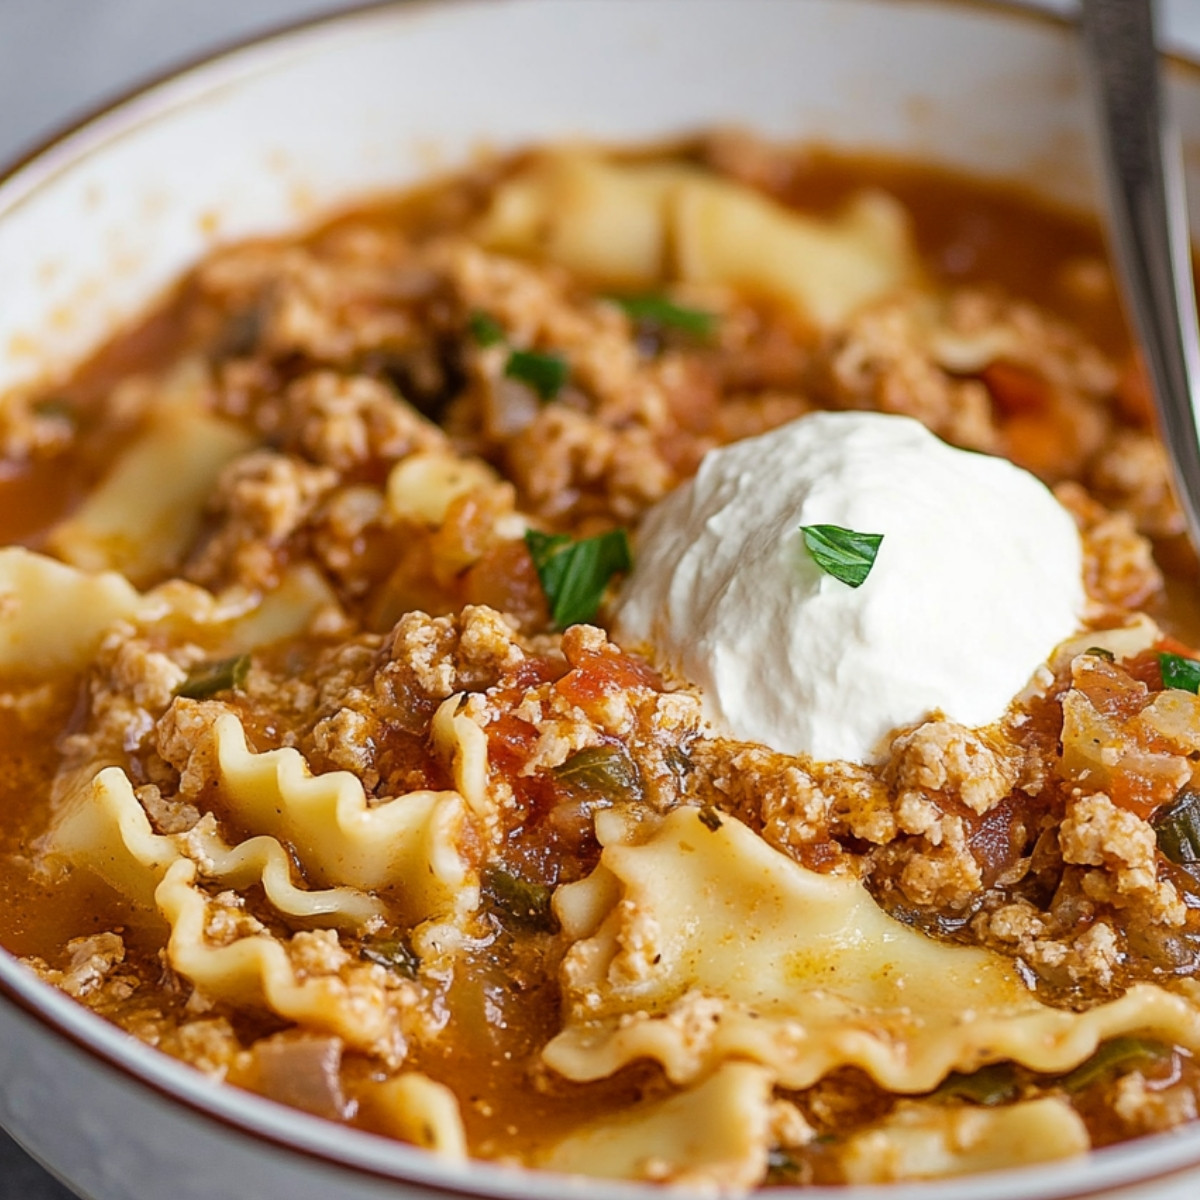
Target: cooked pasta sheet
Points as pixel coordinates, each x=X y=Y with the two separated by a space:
x=331 y=777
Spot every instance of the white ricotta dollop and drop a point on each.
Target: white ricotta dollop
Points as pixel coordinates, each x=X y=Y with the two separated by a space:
x=978 y=577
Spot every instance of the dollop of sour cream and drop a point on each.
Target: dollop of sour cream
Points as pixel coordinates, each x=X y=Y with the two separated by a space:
x=978 y=577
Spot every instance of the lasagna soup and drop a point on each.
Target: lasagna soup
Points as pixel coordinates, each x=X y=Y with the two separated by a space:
x=673 y=666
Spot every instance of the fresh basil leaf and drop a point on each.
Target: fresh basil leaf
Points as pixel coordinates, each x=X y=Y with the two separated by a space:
x=485 y=329
x=1179 y=672
x=654 y=309
x=843 y=553
x=211 y=677
x=1177 y=829
x=547 y=374
x=574 y=574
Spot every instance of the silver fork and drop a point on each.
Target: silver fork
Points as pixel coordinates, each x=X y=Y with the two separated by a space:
x=1148 y=226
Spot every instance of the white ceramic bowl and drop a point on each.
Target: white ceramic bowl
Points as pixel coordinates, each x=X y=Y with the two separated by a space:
x=271 y=135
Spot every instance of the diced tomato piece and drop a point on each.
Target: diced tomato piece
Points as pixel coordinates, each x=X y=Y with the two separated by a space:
x=1044 y=443
x=528 y=674
x=1016 y=390
x=1145 y=668
x=820 y=856
x=596 y=675
x=504 y=578
x=1170 y=645
x=532 y=672
x=1135 y=792
x=510 y=741
x=995 y=840
x=1135 y=400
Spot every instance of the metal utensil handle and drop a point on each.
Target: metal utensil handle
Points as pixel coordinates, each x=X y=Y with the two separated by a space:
x=1148 y=223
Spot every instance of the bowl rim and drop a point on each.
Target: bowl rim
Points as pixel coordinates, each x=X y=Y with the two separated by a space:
x=260 y=1120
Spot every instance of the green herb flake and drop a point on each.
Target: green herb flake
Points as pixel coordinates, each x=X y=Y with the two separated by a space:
x=1116 y=1056
x=209 y=678
x=1177 y=828
x=574 y=574
x=781 y=1166
x=526 y=903
x=1101 y=652
x=241 y=333
x=1179 y=672
x=603 y=770
x=679 y=763
x=485 y=329
x=989 y=1086
x=394 y=954
x=656 y=310
x=546 y=374
x=843 y=553
x=710 y=818
x=55 y=409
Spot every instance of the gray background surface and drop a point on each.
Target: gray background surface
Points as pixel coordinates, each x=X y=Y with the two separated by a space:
x=59 y=58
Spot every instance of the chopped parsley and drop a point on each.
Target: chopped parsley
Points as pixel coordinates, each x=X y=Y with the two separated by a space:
x=546 y=374
x=485 y=329
x=574 y=574
x=656 y=310
x=208 y=678
x=543 y=371
x=843 y=553
x=1179 y=672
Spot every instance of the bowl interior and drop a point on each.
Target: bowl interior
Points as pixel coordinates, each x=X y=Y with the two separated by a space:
x=285 y=130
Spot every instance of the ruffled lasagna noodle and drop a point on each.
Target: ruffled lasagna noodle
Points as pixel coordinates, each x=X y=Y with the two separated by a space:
x=310 y=791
